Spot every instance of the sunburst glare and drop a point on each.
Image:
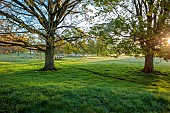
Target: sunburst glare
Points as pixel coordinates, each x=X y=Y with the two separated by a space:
x=168 y=40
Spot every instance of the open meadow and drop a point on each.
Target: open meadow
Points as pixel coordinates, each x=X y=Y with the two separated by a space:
x=83 y=85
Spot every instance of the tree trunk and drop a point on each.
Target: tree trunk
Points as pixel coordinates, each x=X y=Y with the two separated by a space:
x=18 y=53
x=149 y=67
x=49 y=59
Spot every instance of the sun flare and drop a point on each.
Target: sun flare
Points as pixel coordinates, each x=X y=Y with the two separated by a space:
x=168 y=40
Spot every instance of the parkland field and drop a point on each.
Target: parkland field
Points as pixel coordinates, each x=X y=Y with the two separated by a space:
x=83 y=85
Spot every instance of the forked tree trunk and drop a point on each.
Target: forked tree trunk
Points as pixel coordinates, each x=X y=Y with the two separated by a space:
x=49 y=59
x=149 y=67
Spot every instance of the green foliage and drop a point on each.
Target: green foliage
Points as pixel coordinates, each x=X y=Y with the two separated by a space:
x=113 y=34
x=128 y=47
x=164 y=53
x=105 y=3
x=145 y=26
x=93 y=85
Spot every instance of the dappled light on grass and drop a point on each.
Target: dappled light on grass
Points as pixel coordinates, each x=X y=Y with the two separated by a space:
x=11 y=67
x=55 y=98
x=160 y=85
x=84 y=85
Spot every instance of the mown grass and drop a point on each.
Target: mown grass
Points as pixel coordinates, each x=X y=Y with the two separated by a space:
x=83 y=85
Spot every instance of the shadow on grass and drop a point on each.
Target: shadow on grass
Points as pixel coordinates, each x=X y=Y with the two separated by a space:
x=108 y=71
x=58 y=98
x=86 y=87
x=127 y=74
x=124 y=70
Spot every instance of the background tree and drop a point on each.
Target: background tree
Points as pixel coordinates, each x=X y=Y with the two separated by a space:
x=147 y=22
x=48 y=19
x=107 y=37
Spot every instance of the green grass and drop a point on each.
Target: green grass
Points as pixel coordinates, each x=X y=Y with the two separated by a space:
x=83 y=85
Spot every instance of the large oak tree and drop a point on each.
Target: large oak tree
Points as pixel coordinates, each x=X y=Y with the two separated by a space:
x=45 y=18
x=147 y=22
x=153 y=22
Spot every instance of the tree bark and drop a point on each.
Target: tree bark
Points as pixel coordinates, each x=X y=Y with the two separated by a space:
x=149 y=67
x=49 y=59
x=18 y=52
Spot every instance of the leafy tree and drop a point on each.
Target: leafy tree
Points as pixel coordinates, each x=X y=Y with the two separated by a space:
x=48 y=19
x=153 y=25
x=145 y=21
x=91 y=46
x=108 y=36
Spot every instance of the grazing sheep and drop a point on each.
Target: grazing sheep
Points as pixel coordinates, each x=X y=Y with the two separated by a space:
x=39 y=57
x=61 y=56
x=30 y=57
x=58 y=57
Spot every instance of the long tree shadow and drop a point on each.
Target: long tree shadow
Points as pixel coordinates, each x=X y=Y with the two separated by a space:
x=57 y=98
x=84 y=87
x=124 y=73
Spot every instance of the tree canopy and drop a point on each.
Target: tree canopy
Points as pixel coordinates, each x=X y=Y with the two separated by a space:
x=46 y=20
x=146 y=24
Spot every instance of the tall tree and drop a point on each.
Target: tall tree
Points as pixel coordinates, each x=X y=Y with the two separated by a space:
x=46 y=18
x=152 y=27
x=147 y=22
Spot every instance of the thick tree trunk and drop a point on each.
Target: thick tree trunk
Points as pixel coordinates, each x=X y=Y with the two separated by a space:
x=149 y=67
x=49 y=59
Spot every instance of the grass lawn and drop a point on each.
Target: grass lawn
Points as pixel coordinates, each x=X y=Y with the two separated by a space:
x=83 y=85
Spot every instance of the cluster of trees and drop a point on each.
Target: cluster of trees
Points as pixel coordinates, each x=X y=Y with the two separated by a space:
x=86 y=46
x=11 y=49
x=127 y=27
